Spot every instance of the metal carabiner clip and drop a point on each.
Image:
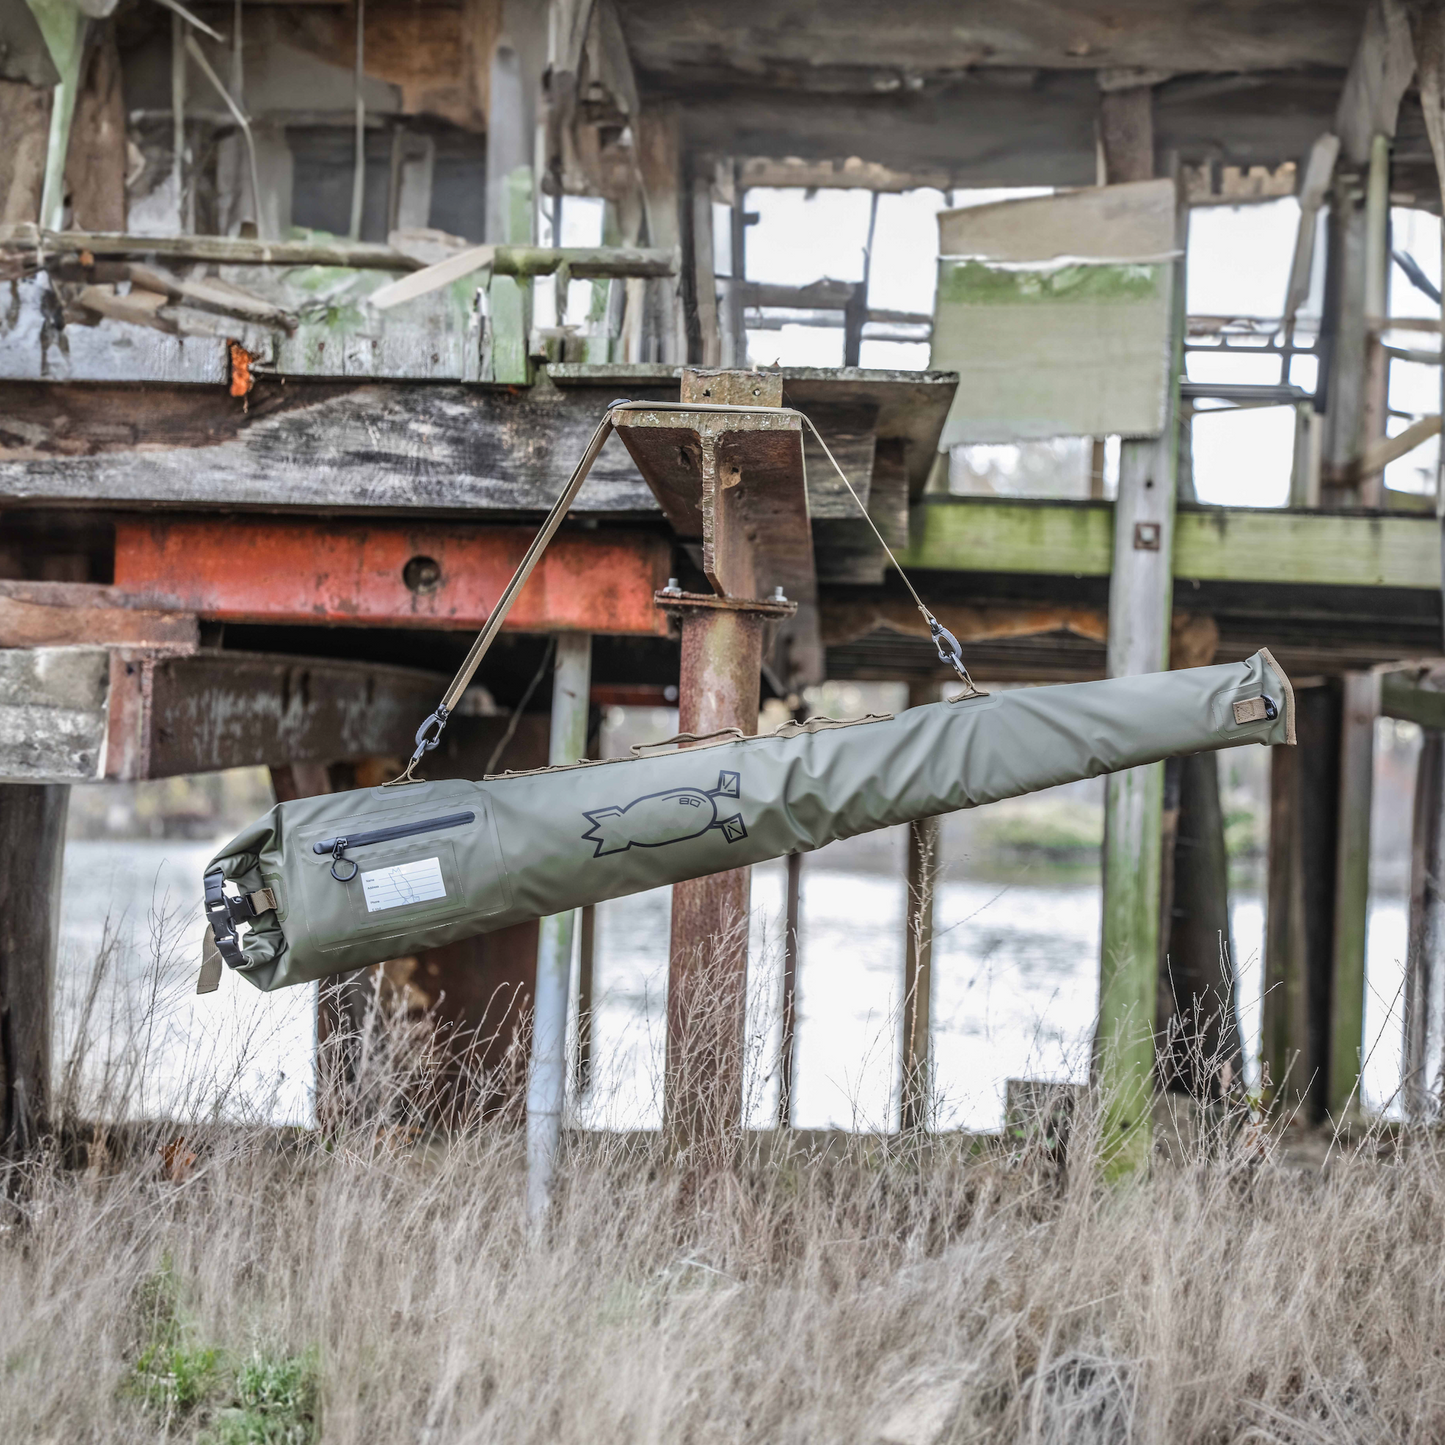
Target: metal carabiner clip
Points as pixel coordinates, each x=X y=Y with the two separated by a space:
x=338 y=856
x=949 y=651
x=425 y=739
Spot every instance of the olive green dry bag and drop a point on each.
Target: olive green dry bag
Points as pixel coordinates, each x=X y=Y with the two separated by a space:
x=326 y=884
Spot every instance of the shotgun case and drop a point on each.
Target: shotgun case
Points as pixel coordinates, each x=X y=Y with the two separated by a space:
x=327 y=884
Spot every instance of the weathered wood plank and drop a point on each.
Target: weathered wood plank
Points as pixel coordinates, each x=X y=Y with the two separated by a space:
x=444 y=449
x=1141 y=597
x=802 y=42
x=438 y=448
x=1414 y=697
x=1211 y=544
x=77 y=614
x=229 y=709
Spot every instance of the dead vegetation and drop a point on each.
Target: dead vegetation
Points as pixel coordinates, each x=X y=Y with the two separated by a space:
x=227 y=1282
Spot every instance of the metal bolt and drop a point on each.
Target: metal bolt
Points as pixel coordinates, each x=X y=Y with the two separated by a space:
x=778 y=595
x=672 y=589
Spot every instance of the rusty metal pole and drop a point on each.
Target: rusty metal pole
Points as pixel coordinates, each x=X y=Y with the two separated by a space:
x=735 y=478
x=707 y=971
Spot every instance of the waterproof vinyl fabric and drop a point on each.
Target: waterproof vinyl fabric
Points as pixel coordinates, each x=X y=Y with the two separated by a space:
x=439 y=861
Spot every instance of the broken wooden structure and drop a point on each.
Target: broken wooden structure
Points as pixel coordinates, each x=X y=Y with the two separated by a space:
x=287 y=374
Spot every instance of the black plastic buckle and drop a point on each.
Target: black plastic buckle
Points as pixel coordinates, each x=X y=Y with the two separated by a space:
x=224 y=914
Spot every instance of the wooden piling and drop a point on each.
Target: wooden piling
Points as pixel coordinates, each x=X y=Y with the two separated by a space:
x=1352 y=891
x=1424 y=964
x=1198 y=1004
x=547 y=1078
x=1299 y=926
x=915 y=1093
x=32 y=850
x=1140 y=602
x=788 y=1042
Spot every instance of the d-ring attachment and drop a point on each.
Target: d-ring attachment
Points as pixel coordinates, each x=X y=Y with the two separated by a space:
x=337 y=856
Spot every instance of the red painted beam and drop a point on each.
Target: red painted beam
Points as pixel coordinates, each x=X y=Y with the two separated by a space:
x=392 y=574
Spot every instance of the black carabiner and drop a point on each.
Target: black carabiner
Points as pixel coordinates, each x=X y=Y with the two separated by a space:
x=338 y=856
x=425 y=739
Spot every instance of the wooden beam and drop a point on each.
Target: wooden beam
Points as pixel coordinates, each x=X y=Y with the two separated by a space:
x=786 y=40
x=1199 y=995
x=78 y=614
x=547 y=1075
x=379 y=574
x=211 y=250
x=25 y=123
x=1211 y=544
x=1413 y=695
x=657 y=133
x=915 y=1093
x=32 y=849
x=1298 y=951
x=168 y=716
x=1425 y=953
x=1141 y=594
x=1352 y=892
x=439 y=449
x=96 y=164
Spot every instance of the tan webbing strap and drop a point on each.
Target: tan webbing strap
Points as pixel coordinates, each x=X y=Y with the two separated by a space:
x=211 y=966
x=429 y=733
x=1251 y=709
x=263 y=900
x=426 y=738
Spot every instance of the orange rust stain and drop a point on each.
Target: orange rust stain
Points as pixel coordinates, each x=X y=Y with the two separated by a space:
x=267 y=570
x=241 y=379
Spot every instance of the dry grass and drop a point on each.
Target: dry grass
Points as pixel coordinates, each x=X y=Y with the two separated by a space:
x=233 y=1283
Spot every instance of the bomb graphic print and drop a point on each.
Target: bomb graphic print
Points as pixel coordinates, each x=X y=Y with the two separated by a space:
x=656 y=819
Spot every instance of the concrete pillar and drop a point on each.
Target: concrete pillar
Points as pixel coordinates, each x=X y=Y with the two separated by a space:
x=32 y=849
x=547 y=1078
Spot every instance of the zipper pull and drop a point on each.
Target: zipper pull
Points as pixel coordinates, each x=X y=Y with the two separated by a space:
x=338 y=855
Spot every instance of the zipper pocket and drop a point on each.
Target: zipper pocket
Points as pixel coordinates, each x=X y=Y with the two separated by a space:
x=337 y=846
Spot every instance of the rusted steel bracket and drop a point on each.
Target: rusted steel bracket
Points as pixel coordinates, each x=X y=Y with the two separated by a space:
x=733 y=479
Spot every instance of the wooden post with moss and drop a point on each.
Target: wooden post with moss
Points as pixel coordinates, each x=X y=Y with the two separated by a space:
x=32 y=850
x=1352 y=891
x=1140 y=602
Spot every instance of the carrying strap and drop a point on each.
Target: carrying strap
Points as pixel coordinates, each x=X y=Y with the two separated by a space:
x=223 y=912
x=429 y=734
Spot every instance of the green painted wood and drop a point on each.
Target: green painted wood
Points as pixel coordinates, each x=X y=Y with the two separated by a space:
x=1225 y=544
x=1402 y=697
x=510 y=298
x=989 y=535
